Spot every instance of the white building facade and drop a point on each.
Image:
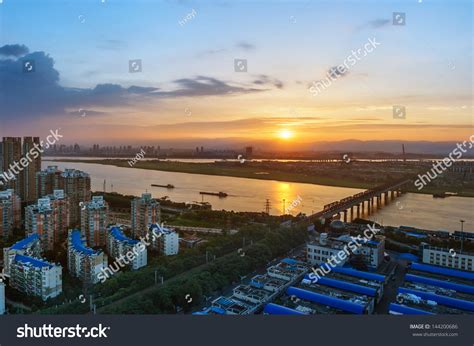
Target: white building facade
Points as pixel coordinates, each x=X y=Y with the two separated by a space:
x=35 y=276
x=448 y=258
x=165 y=240
x=118 y=245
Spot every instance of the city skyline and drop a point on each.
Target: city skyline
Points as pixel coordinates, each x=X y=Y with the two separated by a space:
x=189 y=92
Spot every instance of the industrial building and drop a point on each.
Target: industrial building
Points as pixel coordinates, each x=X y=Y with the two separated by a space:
x=341 y=291
x=250 y=298
x=448 y=258
x=435 y=290
x=323 y=248
x=119 y=245
x=84 y=262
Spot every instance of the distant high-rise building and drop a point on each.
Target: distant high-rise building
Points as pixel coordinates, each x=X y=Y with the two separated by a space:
x=248 y=152
x=118 y=245
x=145 y=211
x=29 y=173
x=49 y=180
x=11 y=154
x=77 y=186
x=10 y=213
x=94 y=221
x=84 y=262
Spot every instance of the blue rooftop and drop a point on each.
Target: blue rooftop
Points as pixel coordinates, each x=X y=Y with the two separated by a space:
x=117 y=234
x=442 y=270
x=78 y=244
x=22 y=244
x=33 y=261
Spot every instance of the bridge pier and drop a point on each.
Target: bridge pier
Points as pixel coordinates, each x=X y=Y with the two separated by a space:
x=345 y=215
x=358 y=210
x=352 y=213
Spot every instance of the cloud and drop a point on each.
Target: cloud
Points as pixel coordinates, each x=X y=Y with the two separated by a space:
x=378 y=23
x=266 y=80
x=14 y=50
x=205 y=86
x=40 y=93
x=86 y=112
x=374 y=24
x=337 y=71
x=245 y=46
x=110 y=44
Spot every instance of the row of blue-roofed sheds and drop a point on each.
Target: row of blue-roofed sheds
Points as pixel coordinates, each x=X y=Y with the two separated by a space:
x=341 y=291
x=433 y=290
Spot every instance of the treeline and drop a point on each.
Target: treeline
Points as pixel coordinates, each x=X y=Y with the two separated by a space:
x=128 y=282
x=211 y=278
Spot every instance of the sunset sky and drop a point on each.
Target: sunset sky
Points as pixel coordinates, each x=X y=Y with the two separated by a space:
x=188 y=90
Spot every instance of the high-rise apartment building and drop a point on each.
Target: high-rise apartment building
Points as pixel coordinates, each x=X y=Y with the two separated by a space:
x=49 y=218
x=145 y=211
x=10 y=212
x=84 y=262
x=29 y=190
x=77 y=186
x=12 y=153
x=94 y=221
x=49 y=180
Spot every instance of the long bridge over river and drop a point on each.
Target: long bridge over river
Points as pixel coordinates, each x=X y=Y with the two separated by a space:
x=362 y=200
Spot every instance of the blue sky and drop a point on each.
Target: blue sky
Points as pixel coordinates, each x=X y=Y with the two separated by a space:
x=425 y=65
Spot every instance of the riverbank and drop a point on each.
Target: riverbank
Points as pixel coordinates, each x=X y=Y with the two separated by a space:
x=355 y=175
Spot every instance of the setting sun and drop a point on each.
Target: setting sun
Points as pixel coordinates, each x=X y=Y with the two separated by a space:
x=285 y=134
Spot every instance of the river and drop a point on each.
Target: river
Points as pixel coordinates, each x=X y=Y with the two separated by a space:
x=415 y=210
